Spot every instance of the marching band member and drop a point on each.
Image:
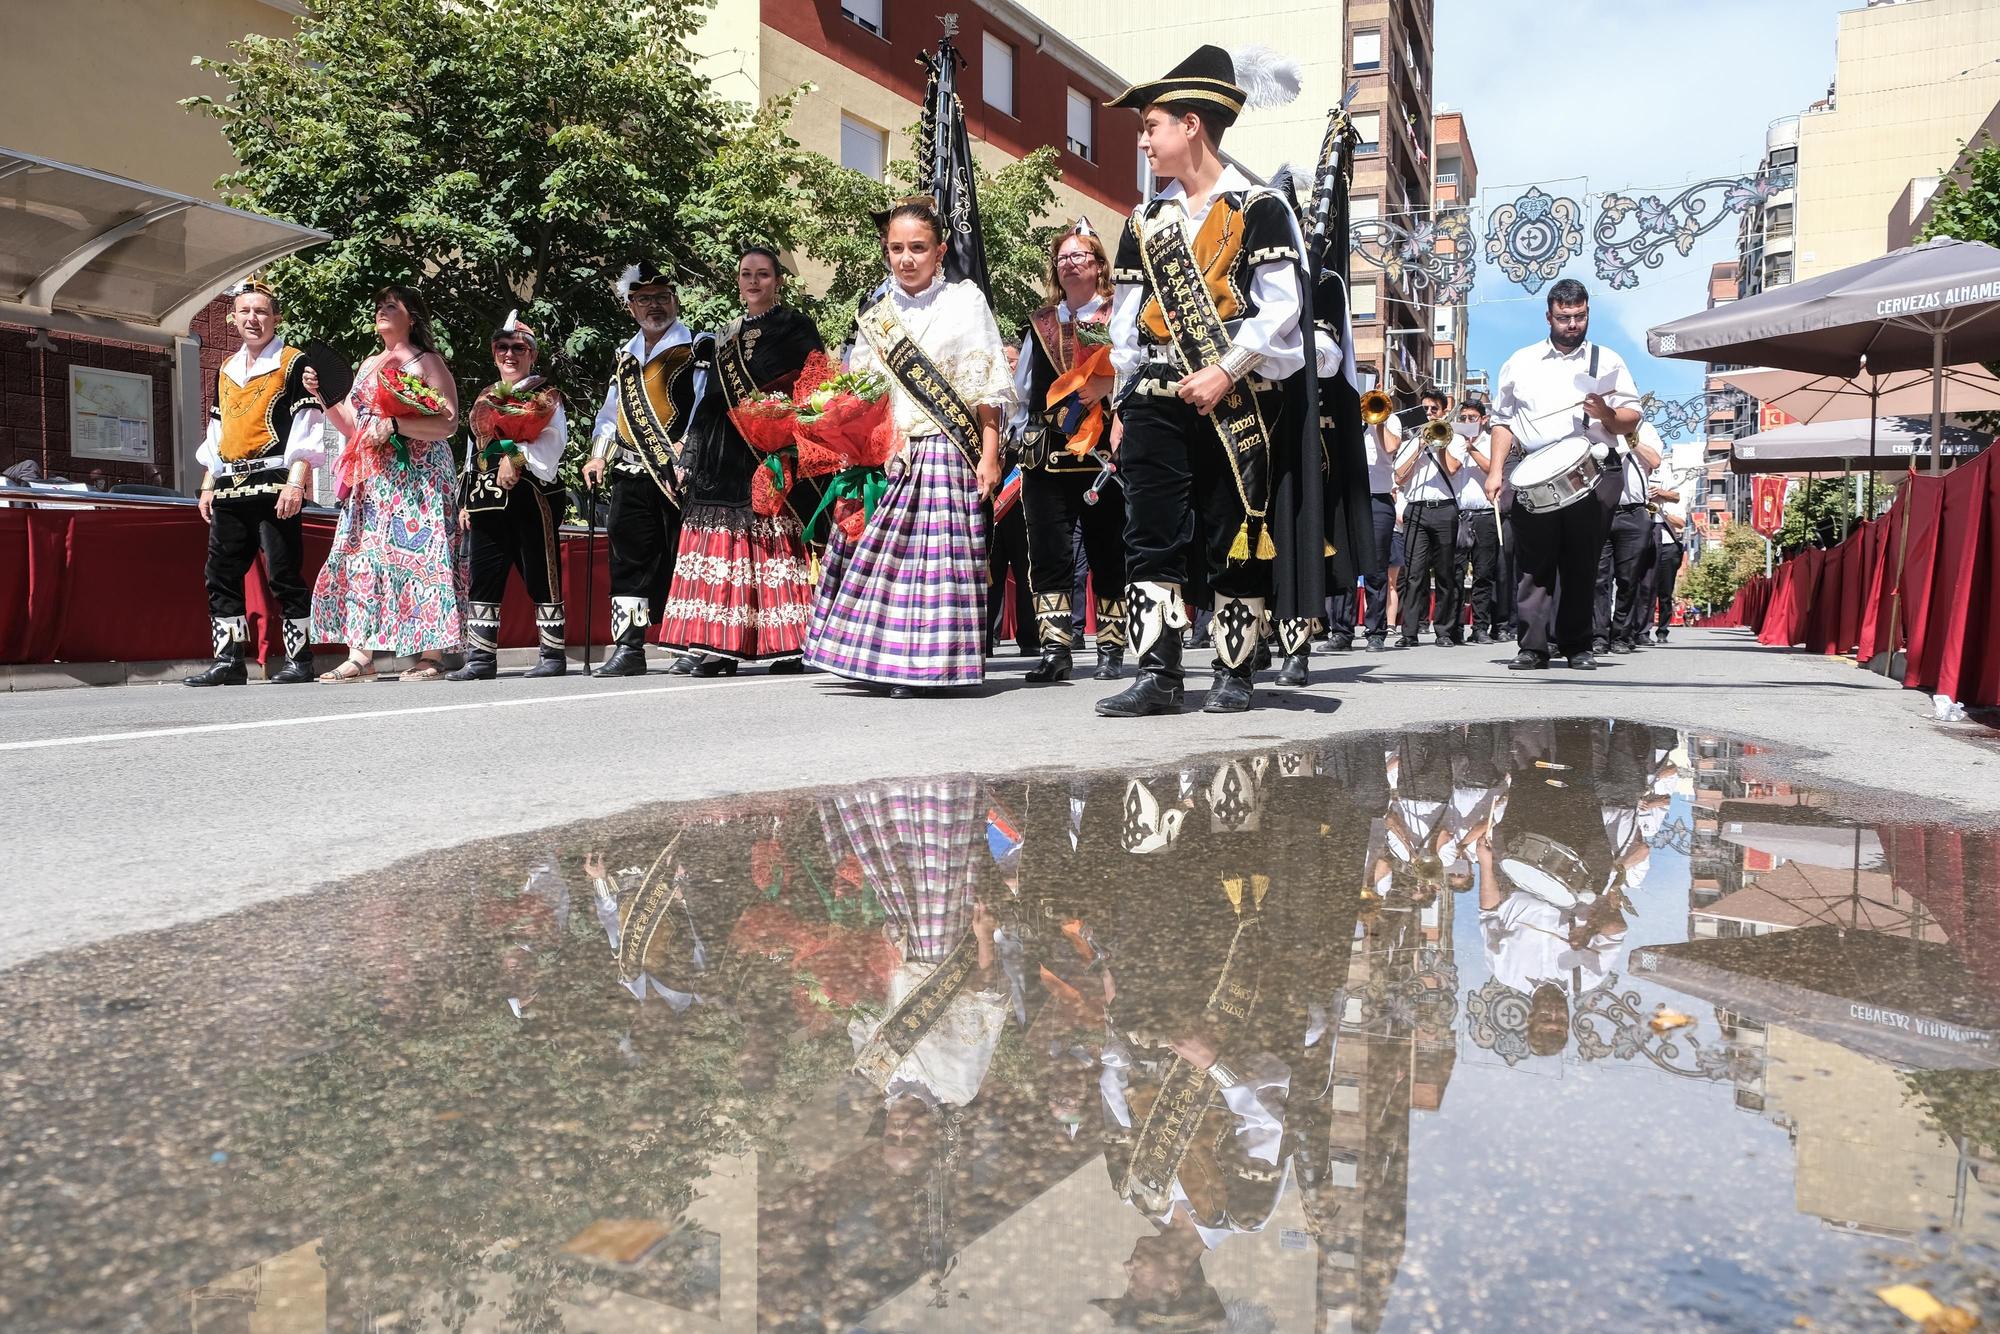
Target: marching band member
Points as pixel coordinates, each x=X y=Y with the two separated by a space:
x=638 y=436
x=741 y=586
x=1430 y=532
x=1205 y=336
x=1626 y=563
x=265 y=433
x=1380 y=443
x=904 y=606
x=1560 y=389
x=511 y=506
x=1054 y=478
x=1656 y=602
x=1477 y=513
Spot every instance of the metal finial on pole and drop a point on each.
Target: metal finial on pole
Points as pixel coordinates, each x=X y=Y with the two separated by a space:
x=949 y=22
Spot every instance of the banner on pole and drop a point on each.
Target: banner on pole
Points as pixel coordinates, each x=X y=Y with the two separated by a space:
x=1767 y=505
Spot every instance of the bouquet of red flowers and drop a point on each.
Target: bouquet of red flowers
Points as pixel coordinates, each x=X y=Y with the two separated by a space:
x=393 y=395
x=514 y=412
x=845 y=429
x=766 y=422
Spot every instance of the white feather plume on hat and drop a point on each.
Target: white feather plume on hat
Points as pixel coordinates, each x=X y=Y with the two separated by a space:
x=1266 y=78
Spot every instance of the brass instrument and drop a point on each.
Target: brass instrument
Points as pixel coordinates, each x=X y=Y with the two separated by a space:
x=1437 y=434
x=1376 y=407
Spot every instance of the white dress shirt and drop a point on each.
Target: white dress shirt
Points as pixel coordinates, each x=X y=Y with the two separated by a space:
x=1637 y=476
x=1471 y=477
x=1541 y=390
x=1666 y=478
x=1380 y=444
x=306 y=440
x=1427 y=481
x=607 y=416
x=1274 y=287
x=954 y=326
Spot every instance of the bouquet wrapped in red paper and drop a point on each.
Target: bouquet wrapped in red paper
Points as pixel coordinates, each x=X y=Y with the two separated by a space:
x=772 y=483
x=766 y=422
x=396 y=395
x=845 y=431
x=514 y=412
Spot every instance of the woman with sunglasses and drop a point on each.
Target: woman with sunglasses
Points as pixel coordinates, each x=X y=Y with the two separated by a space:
x=512 y=504
x=389 y=583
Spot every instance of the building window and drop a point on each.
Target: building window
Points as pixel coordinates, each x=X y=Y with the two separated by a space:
x=1777 y=270
x=1784 y=157
x=1367 y=51
x=1369 y=126
x=1365 y=209
x=867 y=13
x=1082 y=116
x=997 y=79
x=863 y=148
x=1778 y=220
x=1364 y=300
x=1441 y=371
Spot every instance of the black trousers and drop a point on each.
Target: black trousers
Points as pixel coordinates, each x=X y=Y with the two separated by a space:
x=1053 y=506
x=521 y=536
x=1557 y=551
x=1507 y=581
x=1182 y=509
x=1430 y=559
x=1484 y=551
x=239 y=528
x=1340 y=603
x=645 y=533
x=1657 y=601
x=1622 y=565
x=1008 y=550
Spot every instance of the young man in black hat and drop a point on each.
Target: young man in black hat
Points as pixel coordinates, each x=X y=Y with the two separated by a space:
x=637 y=438
x=265 y=434
x=1205 y=334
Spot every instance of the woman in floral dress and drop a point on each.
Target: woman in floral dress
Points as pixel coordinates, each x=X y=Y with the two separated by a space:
x=390 y=583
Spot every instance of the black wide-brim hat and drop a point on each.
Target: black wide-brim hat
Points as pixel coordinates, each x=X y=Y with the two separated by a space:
x=1206 y=79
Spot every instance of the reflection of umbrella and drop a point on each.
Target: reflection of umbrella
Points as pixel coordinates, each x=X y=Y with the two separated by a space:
x=1823 y=845
x=1923 y=306
x=1834 y=446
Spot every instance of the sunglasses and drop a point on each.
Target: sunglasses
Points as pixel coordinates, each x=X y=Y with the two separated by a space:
x=512 y=349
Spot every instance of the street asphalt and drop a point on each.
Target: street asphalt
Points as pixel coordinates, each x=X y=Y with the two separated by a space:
x=142 y=806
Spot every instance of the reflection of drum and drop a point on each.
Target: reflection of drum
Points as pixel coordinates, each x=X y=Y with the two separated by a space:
x=1555 y=477
x=1548 y=870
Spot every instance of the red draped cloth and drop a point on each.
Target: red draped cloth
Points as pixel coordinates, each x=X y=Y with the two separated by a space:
x=1955 y=874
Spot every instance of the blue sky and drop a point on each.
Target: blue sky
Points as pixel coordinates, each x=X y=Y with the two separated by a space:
x=1642 y=99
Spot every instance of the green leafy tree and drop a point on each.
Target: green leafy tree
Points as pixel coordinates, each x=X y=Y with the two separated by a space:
x=1724 y=566
x=1967 y=204
x=1818 y=513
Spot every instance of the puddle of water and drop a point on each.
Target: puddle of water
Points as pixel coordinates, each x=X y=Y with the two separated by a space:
x=1570 y=1025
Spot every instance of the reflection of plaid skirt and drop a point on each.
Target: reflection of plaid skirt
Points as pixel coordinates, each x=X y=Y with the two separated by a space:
x=918 y=845
x=740 y=588
x=906 y=603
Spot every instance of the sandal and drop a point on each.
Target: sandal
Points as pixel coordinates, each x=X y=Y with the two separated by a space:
x=424 y=669
x=349 y=670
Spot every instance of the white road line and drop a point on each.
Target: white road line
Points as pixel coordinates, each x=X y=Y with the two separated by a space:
x=197 y=728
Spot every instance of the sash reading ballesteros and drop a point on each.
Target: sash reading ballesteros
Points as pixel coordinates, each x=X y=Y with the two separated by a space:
x=906 y=1025
x=1202 y=339
x=639 y=417
x=920 y=377
x=738 y=384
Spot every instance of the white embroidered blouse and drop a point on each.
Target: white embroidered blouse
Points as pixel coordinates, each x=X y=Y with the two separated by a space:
x=954 y=326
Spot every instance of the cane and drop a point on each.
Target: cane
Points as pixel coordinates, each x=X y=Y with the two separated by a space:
x=589 y=571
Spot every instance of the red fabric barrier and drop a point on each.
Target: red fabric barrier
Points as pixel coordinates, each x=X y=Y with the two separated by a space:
x=1911 y=594
x=1947 y=659
x=1955 y=875
x=125 y=585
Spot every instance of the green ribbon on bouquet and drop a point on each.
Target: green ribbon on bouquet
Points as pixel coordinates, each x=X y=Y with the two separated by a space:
x=776 y=463
x=495 y=450
x=865 y=483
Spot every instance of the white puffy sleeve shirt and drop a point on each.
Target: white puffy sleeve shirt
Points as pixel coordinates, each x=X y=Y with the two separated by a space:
x=954 y=326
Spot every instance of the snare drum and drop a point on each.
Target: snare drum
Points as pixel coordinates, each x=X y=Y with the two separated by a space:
x=1548 y=870
x=1555 y=476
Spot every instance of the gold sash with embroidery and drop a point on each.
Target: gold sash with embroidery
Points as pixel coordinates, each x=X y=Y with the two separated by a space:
x=906 y=1025
x=1198 y=333
x=650 y=420
x=920 y=377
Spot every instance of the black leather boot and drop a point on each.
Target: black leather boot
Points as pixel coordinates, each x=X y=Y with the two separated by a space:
x=298 y=668
x=482 y=643
x=1238 y=645
x=628 y=634
x=712 y=666
x=1055 y=665
x=1155 y=619
x=1296 y=670
x=551 y=662
x=231 y=636
x=480 y=665
x=1110 y=664
x=1229 y=692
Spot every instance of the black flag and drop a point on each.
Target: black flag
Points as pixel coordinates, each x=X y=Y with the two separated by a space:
x=944 y=165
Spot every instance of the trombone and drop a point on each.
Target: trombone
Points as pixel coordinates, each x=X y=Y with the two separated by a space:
x=1376 y=407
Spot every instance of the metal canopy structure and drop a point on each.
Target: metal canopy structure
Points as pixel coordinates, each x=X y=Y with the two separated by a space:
x=84 y=252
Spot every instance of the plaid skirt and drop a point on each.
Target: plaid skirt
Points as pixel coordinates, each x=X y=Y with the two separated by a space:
x=919 y=845
x=905 y=604
x=740 y=585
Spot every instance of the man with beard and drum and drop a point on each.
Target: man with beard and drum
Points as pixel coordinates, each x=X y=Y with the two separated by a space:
x=265 y=434
x=1478 y=519
x=1064 y=449
x=638 y=438
x=1427 y=472
x=1208 y=346
x=1569 y=394
x=511 y=505
x=1626 y=562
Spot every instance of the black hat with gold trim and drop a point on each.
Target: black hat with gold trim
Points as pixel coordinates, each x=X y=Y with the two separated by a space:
x=1219 y=83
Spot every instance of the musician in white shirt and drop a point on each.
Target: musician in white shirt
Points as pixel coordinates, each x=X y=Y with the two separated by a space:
x=1626 y=563
x=1549 y=392
x=1380 y=444
x=1476 y=517
x=1429 y=479
x=1656 y=603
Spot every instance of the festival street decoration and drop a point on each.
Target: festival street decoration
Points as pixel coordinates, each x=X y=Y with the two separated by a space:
x=1635 y=233
x=1433 y=256
x=1531 y=238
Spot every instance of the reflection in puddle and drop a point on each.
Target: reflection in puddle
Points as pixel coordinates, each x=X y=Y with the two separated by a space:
x=1543 y=1025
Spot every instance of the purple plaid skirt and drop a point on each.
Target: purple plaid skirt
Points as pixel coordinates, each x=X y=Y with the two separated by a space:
x=906 y=603
x=920 y=845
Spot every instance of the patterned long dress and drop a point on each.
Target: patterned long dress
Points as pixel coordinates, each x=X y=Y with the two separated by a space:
x=390 y=583
x=905 y=604
x=741 y=586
